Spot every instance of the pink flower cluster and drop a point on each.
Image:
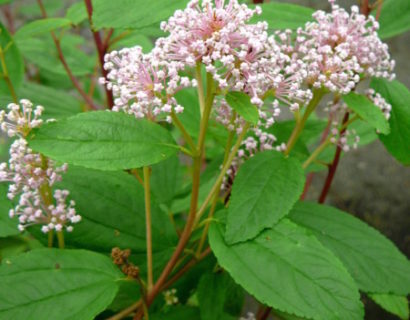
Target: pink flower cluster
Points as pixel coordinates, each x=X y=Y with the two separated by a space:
x=31 y=175
x=333 y=52
x=338 y=48
x=143 y=85
x=20 y=120
x=240 y=56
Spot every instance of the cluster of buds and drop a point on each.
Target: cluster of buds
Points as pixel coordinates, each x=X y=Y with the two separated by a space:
x=379 y=102
x=226 y=116
x=258 y=142
x=120 y=258
x=345 y=138
x=170 y=297
x=19 y=120
x=32 y=175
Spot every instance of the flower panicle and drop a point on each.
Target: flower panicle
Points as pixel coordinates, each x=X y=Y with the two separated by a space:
x=31 y=175
x=20 y=118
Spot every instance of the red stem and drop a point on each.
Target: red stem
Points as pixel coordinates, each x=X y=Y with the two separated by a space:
x=101 y=49
x=333 y=166
x=9 y=18
x=263 y=313
x=257 y=1
x=73 y=79
x=309 y=180
x=311 y=175
x=365 y=8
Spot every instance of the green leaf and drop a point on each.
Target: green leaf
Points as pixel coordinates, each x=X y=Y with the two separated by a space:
x=41 y=26
x=57 y=284
x=166 y=179
x=132 y=14
x=128 y=293
x=397 y=142
x=242 y=104
x=265 y=189
x=364 y=130
x=367 y=111
x=214 y=292
x=396 y=305
x=15 y=245
x=8 y=227
x=310 y=134
x=32 y=9
x=394 y=18
x=284 y=15
x=104 y=140
x=373 y=261
x=42 y=53
x=289 y=270
x=131 y=39
x=191 y=116
x=57 y=103
x=77 y=13
x=112 y=208
x=13 y=61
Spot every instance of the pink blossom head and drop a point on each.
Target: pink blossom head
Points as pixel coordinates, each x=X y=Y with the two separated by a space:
x=143 y=85
x=339 y=47
x=20 y=118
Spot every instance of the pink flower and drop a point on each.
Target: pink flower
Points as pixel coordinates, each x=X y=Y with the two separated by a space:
x=143 y=85
x=339 y=46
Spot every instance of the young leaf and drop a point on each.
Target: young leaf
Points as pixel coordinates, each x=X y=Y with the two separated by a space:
x=132 y=14
x=265 y=189
x=396 y=305
x=373 y=261
x=13 y=62
x=397 y=142
x=284 y=15
x=104 y=140
x=394 y=18
x=214 y=291
x=242 y=104
x=289 y=270
x=41 y=26
x=112 y=208
x=367 y=111
x=57 y=284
